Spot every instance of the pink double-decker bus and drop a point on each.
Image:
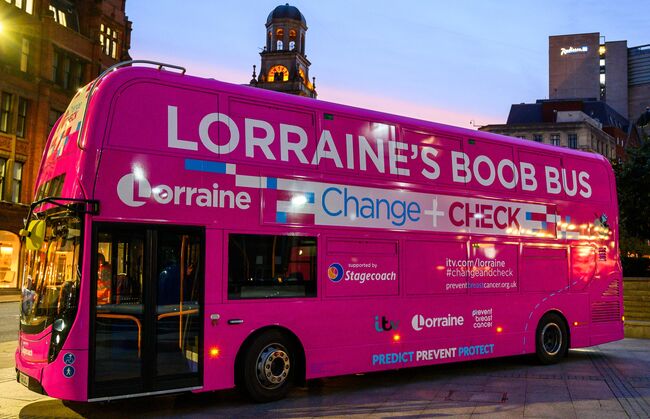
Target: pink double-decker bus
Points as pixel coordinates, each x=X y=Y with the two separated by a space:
x=193 y=235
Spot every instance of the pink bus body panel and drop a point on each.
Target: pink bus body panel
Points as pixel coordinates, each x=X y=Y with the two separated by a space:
x=394 y=284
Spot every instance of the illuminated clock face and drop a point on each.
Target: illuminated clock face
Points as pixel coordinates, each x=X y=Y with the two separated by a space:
x=278 y=73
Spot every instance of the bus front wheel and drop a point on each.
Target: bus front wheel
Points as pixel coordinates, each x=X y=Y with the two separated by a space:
x=269 y=365
x=551 y=339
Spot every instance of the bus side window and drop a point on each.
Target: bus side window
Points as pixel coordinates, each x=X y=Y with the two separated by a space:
x=265 y=266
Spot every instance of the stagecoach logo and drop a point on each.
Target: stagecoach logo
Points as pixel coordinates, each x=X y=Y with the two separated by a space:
x=135 y=190
x=335 y=272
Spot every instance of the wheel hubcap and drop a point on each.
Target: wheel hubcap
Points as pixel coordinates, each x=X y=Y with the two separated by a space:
x=552 y=338
x=273 y=366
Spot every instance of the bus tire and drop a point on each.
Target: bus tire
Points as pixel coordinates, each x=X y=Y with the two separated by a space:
x=269 y=367
x=551 y=339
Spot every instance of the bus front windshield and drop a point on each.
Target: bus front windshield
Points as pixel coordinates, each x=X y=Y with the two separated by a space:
x=51 y=273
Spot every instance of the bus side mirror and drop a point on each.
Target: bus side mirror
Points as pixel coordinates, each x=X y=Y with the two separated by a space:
x=34 y=235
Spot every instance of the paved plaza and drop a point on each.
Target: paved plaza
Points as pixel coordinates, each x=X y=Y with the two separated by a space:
x=611 y=380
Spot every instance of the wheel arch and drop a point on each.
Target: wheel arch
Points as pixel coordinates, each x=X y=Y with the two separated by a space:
x=564 y=320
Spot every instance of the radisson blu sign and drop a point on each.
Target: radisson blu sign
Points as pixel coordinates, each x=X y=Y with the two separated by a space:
x=573 y=50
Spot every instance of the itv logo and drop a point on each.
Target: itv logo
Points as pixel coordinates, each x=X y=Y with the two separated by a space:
x=385 y=325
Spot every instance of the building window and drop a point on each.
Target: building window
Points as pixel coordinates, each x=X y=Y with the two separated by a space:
x=279 y=35
x=555 y=139
x=108 y=40
x=3 y=171
x=65 y=79
x=67 y=70
x=53 y=117
x=22 y=117
x=292 y=39
x=25 y=5
x=538 y=138
x=261 y=266
x=16 y=186
x=59 y=16
x=24 y=55
x=9 y=251
x=55 y=66
x=278 y=73
x=573 y=141
x=5 y=111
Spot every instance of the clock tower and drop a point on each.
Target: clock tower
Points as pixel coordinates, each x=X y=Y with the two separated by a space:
x=285 y=67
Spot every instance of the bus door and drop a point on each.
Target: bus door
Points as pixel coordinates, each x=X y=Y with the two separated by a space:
x=147 y=295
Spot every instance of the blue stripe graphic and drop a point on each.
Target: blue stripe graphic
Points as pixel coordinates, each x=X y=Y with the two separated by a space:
x=281 y=217
x=205 y=166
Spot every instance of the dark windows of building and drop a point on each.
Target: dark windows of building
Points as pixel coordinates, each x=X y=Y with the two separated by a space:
x=555 y=139
x=538 y=138
x=5 y=111
x=55 y=65
x=573 y=141
x=67 y=70
x=16 y=186
x=25 y=5
x=24 y=55
x=261 y=266
x=3 y=171
x=108 y=40
x=65 y=14
x=52 y=118
x=21 y=124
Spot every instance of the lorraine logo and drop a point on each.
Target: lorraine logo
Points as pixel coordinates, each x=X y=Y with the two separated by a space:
x=133 y=190
x=335 y=272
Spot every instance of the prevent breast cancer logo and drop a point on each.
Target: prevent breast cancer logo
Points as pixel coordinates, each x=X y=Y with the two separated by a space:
x=335 y=272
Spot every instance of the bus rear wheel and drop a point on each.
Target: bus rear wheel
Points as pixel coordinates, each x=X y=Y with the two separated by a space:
x=551 y=339
x=269 y=365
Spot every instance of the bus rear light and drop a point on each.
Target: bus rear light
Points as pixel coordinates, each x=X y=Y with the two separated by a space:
x=499 y=329
x=214 y=352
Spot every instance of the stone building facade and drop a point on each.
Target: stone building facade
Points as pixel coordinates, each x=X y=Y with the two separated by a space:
x=48 y=49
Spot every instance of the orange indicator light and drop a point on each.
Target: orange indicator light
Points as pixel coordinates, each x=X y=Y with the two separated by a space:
x=499 y=329
x=396 y=338
x=575 y=323
x=623 y=318
x=214 y=352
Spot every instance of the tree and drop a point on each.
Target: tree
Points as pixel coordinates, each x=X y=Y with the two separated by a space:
x=633 y=184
